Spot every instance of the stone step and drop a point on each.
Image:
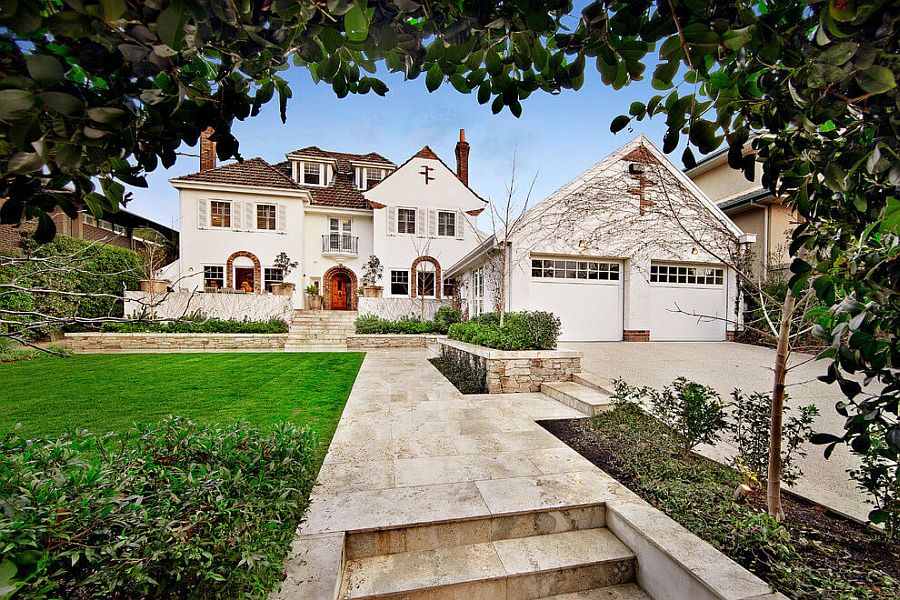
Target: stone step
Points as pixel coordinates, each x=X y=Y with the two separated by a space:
x=583 y=399
x=591 y=380
x=626 y=591
x=525 y=567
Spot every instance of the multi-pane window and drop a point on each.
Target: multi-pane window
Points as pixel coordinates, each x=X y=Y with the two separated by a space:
x=406 y=220
x=448 y=288
x=399 y=283
x=478 y=291
x=660 y=273
x=271 y=276
x=373 y=176
x=213 y=276
x=265 y=216
x=119 y=229
x=446 y=223
x=219 y=213
x=90 y=220
x=425 y=283
x=548 y=268
x=312 y=174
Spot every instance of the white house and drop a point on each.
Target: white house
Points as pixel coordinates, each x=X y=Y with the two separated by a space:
x=630 y=250
x=328 y=211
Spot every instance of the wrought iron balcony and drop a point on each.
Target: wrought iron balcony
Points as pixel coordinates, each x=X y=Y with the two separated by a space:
x=340 y=243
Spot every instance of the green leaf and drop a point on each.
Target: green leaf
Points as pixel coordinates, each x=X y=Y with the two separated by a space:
x=106 y=114
x=65 y=104
x=703 y=135
x=45 y=69
x=112 y=9
x=25 y=162
x=356 y=23
x=171 y=22
x=434 y=77
x=890 y=219
x=876 y=79
x=15 y=103
x=619 y=123
x=68 y=157
x=838 y=54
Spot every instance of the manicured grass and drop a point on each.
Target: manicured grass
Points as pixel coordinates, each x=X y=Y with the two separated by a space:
x=112 y=392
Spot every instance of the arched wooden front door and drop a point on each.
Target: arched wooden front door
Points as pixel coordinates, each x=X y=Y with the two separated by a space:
x=340 y=291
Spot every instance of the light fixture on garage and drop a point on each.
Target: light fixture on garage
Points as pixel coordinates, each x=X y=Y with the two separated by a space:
x=694 y=250
x=582 y=246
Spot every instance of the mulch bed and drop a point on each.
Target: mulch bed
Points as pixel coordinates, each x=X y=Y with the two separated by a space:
x=824 y=538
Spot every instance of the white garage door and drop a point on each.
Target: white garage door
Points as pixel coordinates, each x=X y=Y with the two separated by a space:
x=676 y=289
x=585 y=294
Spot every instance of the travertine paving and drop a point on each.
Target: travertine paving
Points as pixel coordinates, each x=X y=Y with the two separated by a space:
x=428 y=493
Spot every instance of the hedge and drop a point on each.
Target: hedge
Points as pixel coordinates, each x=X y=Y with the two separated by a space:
x=183 y=511
x=445 y=317
x=101 y=269
x=273 y=325
x=526 y=330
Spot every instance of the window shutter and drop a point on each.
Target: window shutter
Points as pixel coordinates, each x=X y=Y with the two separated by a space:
x=235 y=215
x=281 y=219
x=392 y=220
x=421 y=222
x=460 y=225
x=432 y=223
x=249 y=216
x=202 y=214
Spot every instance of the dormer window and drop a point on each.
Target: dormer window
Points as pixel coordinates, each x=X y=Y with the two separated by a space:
x=312 y=174
x=373 y=176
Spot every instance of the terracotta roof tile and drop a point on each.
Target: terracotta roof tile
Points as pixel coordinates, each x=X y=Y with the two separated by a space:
x=343 y=159
x=341 y=193
x=254 y=172
x=426 y=152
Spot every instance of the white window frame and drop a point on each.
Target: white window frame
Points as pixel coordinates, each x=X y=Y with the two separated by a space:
x=274 y=208
x=686 y=275
x=205 y=279
x=322 y=174
x=90 y=220
x=230 y=214
x=391 y=282
x=267 y=281
x=366 y=178
x=575 y=271
x=451 y=223
x=478 y=292
x=406 y=223
x=434 y=285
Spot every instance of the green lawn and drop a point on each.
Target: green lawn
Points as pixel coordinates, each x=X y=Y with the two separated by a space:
x=111 y=392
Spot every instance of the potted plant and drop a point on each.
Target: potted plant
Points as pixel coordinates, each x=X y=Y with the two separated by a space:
x=283 y=262
x=313 y=299
x=371 y=274
x=154 y=251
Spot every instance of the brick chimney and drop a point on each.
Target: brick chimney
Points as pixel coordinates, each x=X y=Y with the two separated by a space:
x=462 y=157
x=207 y=150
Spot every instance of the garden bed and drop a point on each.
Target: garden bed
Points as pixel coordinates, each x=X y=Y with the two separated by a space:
x=816 y=554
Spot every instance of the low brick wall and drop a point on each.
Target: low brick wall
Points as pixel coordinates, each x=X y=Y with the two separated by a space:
x=98 y=342
x=390 y=340
x=516 y=371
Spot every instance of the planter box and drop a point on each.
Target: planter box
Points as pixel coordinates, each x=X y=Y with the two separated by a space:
x=154 y=286
x=99 y=342
x=514 y=371
x=373 y=291
x=392 y=340
x=313 y=302
x=283 y=289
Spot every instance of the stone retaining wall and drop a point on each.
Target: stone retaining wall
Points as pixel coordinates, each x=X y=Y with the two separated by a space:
x=389 y=340
x=98 y=342
x=516 y=371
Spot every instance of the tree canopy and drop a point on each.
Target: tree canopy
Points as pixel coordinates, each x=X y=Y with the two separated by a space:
x=105 y=90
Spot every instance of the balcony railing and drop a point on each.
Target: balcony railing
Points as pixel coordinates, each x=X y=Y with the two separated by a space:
x=340 y=243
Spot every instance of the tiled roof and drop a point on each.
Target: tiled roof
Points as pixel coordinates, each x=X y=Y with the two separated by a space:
x=343 y=159
x=426 y=152
x=254 y=172
x=341 y=193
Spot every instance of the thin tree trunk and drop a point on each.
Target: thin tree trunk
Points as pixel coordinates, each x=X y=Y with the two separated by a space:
x=502 y=307
x=773 y=490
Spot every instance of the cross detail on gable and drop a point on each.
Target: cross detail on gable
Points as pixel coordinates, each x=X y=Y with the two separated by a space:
x=643 y=201
x=426 y=171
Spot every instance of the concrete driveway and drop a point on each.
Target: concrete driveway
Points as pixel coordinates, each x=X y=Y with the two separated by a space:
x=725 y=366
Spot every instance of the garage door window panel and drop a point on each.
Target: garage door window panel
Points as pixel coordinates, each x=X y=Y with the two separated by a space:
x=685 y=275
x=572 y=269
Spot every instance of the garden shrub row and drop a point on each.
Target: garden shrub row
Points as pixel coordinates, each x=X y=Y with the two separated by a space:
x=525 y=330
x=180 y=510
x=443 y=319
x=273 y=325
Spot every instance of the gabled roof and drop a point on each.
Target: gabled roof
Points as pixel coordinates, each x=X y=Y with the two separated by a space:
x=343 y=160
x=429 y=154
x=342 y=193
x=254 y=172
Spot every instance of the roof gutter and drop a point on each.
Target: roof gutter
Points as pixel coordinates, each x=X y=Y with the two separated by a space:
x=480 y=250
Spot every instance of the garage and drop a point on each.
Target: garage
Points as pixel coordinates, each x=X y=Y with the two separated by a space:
x=586 y=295
x=692 y=288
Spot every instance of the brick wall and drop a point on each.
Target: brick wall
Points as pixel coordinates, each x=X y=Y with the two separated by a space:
x=636 y=335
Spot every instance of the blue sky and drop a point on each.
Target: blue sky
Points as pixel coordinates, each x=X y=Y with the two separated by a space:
x=556 y=138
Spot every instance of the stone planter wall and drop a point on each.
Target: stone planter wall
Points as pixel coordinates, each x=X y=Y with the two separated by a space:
x=374 y=341
x=516 y=371
x=99 y=342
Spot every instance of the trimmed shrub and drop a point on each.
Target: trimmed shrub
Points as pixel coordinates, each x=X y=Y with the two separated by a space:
x=407 y=325
x=526 y=330
x=273 y=325
x=180 y=511
x=447 y=316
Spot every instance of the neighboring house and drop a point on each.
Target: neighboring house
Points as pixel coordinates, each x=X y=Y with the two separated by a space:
x=752 y=207
x=116 y=229
x=629 y=250
x=329 y=211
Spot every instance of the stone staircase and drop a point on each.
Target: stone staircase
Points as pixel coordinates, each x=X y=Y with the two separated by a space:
x=320 y=329
x=565 y=553
x=586 y=393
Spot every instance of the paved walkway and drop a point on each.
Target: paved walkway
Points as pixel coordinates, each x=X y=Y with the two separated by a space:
x=725 y=366
x=411 y=452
